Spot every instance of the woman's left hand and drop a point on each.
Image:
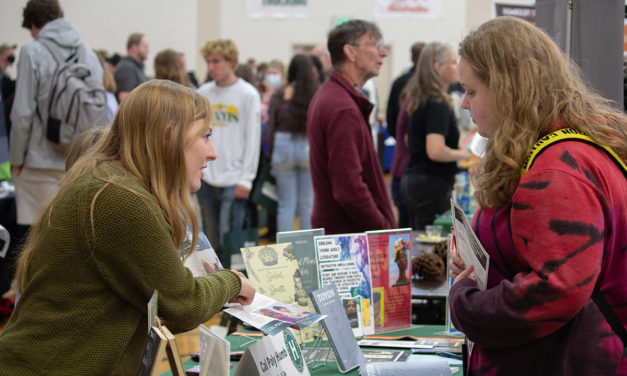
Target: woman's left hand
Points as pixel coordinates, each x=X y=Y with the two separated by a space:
x=466 y=273
x=456 y=266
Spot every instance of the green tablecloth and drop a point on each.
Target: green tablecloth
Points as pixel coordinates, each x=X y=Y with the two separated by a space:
x=330 y=368
x=446 y=220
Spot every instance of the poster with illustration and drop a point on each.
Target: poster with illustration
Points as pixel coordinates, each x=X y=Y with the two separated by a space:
x=343 y=260
x=390 y=268
x=399 y=256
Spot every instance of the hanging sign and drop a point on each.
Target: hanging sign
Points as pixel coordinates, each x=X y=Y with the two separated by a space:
x=277 y=8
x=408 y=8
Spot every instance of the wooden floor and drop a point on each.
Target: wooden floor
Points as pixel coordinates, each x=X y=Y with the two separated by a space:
x=188 y=343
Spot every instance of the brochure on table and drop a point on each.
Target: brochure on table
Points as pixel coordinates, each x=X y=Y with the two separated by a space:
x=274 y=271
x=274 y=355
x=344 y=260
x=468 y=246
x=347 y=353
x=390 y=266
x=305 y=252
x=271 y=316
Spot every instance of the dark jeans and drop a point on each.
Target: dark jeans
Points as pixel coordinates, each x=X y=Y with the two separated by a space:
x=403 y=215
x=426 y=196
x=215 y=208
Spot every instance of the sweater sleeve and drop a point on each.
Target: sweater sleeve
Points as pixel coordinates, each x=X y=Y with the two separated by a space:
x=135 y=255
x=24 y=106
x=557 y=225
x=346 y=143
x=252 y=124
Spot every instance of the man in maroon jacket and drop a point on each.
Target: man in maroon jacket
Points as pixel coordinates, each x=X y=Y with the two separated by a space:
x=350 y=194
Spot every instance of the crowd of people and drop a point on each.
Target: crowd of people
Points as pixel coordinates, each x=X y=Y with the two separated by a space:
x=101 y=223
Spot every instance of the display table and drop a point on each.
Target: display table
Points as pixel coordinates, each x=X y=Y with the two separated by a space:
x=330 y=368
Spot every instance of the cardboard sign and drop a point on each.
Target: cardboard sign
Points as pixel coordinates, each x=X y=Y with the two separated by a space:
x=277 y=355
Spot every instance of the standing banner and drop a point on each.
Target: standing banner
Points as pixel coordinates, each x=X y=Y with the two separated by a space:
x=277 y=8
x=408 y=8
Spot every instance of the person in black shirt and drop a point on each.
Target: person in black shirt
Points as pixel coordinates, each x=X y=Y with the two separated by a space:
x=432 y=136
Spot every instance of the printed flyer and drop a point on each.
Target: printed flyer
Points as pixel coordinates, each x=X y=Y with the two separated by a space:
x=344 y=260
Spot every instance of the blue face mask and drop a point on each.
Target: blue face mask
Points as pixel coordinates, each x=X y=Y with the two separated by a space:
x=273 y=79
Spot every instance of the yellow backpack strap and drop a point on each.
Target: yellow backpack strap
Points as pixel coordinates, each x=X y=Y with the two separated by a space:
x=567 y=134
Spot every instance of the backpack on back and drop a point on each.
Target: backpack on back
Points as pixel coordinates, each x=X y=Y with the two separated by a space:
x=77 y=99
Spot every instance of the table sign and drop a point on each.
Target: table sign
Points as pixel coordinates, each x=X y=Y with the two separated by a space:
x=277 y=355
x=336 y=324
x=215 y=353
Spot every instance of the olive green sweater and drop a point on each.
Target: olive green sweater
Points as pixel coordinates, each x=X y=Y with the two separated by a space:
x=83 y=309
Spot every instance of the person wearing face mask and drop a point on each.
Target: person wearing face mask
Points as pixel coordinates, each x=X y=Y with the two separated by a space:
x=7 y=58
x=272 y=80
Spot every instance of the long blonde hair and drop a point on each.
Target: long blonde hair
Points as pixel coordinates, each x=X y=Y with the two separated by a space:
x=533 y=87
x=147 y=139
x=426 y=81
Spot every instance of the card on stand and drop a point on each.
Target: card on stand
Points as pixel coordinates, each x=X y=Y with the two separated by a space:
x=347 y=353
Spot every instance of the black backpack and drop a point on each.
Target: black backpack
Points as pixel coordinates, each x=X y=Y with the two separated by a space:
x=77 y=98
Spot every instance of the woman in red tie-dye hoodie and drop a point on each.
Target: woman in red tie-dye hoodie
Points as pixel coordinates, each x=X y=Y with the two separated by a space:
x=553 y=233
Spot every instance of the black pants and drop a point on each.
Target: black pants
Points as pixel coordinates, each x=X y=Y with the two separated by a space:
x=403 y=216
x=426 y=197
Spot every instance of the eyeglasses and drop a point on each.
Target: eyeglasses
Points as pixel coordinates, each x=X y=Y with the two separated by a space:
x=379 y=45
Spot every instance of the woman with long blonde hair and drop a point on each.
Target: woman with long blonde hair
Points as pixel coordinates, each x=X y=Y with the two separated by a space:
x=109 y=238
x=432 y=136
x=552 y=195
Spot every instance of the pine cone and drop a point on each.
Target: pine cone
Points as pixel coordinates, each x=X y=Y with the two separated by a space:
x=441 y=249
x=428 y=266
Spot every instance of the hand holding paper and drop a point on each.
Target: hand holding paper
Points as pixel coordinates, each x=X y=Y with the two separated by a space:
x=246 y=293
x=458 y=269
x=466 y=273
x=456 y=265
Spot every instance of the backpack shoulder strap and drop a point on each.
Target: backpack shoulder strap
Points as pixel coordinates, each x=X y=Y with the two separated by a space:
x=53 y=48
x=609 y=314
x=568 y=134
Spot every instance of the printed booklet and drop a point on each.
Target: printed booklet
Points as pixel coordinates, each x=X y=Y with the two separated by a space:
x=271 y=316
x=390 y=267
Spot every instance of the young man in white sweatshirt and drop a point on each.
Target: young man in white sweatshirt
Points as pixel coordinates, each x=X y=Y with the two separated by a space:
x=236 y=136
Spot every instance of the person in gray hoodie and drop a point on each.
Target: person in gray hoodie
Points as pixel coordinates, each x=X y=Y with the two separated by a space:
x=37 y=166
